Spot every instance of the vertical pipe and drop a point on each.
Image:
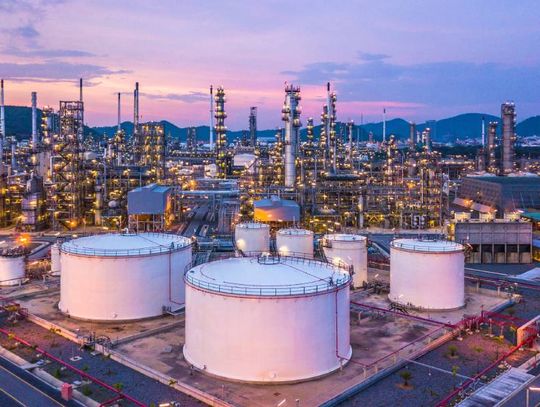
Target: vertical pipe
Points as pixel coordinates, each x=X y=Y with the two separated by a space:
x=13 y=154
x=34 y=120
x=327 y=123
x=136 y=108
x=80 y=90
x=211 y=141
x=412 y=133
x=119 y=119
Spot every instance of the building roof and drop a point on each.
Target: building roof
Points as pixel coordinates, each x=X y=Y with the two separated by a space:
x=432 y=246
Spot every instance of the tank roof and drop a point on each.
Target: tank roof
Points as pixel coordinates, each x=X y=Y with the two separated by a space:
x=252 y=225
x=267 y=276
x=432 y=246
x=344 y=237
x=295 y=232
x=125 y=244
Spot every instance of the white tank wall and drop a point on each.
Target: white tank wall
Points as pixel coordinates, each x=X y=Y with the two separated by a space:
x=12 y=270
x=55 y=259
x=266 y=339
x=294 y=241
x=252 y=237
x=121 y=288
x=428 y=280
x=349 y=249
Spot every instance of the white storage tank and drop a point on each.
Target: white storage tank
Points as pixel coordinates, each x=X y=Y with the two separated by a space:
x=349 y=249
x=55 y=259
x=12 y=270
x=252 y=238
x=295 y=242
x=267 y=319
x=427 y=274
x=119 y=277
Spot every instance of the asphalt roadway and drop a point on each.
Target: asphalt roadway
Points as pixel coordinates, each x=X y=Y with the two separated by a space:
x=20 y=388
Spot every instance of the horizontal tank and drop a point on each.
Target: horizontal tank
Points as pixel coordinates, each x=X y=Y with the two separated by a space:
x=55 y=259
x=267 y=319
x=427 y=274
x=252 y=238
x=349 y=249
x=119 y=277
x=295 y=242
x=12 y=270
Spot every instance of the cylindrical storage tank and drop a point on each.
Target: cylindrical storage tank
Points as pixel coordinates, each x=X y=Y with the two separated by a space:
x=427 y=274
x=120 y=277
x=267 y=319
x=295 y=242
x=252 y=238
x=12 y=270
x=55 y=259
x=349 y=249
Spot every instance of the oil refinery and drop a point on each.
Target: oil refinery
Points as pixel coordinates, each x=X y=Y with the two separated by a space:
x=316 y=267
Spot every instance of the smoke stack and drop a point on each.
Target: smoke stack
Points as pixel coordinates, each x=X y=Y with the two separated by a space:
x=136 y=107
x=80 y=90
x=384 y=126
x=211 y=117
x=483 y=131
x=2 y=122
x=34 y=120
x=119 y=120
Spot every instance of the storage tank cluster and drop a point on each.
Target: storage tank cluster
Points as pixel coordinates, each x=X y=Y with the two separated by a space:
x=120 y=277
x=267 y=319
x=427 y=274
x=349 y=249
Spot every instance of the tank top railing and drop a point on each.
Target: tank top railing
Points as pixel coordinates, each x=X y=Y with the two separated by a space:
x=157 y=249
x=321 y=286
x=440 y=247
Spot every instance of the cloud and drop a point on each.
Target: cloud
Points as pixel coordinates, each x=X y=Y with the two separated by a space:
x=54 y=71
x=191 y=97
x=366 y=56
x=47 y=53
x=25 y=31
x=451 y=83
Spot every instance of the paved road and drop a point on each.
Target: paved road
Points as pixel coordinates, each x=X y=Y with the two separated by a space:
x=196 y=221
x=20 y=388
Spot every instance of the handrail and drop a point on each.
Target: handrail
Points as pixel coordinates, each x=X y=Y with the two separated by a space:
x=319 y=287
x=173 y=247
x=443 y=247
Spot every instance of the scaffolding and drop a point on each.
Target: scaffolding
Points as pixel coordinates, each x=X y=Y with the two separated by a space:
x=67 y=176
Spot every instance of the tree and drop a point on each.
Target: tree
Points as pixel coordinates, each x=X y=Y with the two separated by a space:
x=452 y=351
x=406 y=376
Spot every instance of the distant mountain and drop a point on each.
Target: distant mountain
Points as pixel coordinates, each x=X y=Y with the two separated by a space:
x=529 y=127
x=463 y=126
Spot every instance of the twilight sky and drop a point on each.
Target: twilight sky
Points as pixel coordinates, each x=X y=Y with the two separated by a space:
x=420 y=59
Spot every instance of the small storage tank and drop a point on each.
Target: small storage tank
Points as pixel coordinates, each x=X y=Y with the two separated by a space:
x=119 y=277
x=55 y=259
x=252 y=238
x=12 y=270
x=267 y=319
x=295 y=242
x=427 y=274
x=349 y=249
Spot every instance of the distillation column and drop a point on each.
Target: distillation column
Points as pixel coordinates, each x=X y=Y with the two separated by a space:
x=491 y=159
x=221 y=133
x=508 y=114
x=291 y=117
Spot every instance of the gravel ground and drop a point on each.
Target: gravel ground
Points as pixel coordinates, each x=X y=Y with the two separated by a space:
x=429 y=385
x=132 y=383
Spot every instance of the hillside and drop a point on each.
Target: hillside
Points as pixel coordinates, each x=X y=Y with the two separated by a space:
x=463 y=126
